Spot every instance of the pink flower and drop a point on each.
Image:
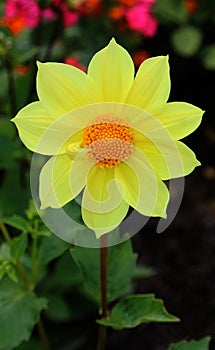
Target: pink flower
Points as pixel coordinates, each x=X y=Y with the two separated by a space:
x=148 y=3
x=28 y=10
x=48 y=14
x=140 y=18
x=70 y=18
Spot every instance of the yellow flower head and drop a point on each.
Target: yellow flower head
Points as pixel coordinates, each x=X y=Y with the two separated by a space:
x=110 y=134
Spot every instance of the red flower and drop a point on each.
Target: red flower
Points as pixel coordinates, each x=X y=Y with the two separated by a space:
x=74 y=61
x=139 y=57
x=191 y=6
x=15 y=24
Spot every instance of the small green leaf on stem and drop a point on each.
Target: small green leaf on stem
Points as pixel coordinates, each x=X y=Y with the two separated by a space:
x=17 y=222
x=18 y=246
x=136 y=309
x=11 y=272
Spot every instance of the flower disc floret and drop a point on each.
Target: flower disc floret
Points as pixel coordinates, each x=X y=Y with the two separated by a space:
x=109 y=141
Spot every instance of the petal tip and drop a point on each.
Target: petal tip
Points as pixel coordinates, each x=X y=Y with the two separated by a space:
x=164 y=215
x=113 y=41
x=99 y=233
x=39 y=64
x=42 y=206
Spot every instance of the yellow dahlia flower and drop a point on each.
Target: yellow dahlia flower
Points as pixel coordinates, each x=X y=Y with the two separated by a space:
x=110 y=135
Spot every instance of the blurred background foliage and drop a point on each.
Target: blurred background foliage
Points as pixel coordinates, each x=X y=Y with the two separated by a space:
x=71 y=31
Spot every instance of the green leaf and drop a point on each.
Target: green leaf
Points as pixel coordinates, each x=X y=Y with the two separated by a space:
x=11 y=272
x=5 y=251
x=136 y=309
x=32 y=344
x=19 y=312
x=202 y=344
x=17 y=222
x=121 y=263
x=49 y=249
x=18 y=246
x=208 y=57
x=73 y=209
x=64 y=281
x=58 y=309
x=186 y=40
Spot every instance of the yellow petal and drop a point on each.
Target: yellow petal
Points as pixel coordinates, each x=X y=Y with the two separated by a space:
x=180 y=118
x=144 y=191
x=62 y=87
x=112 y=70
x=105 y=222
x=61 y=180
x=151 y=86
x=163 y=156
x=188 y=158
x=102 y=194
x=32 y=121
x=103 y=207
x=169 y=158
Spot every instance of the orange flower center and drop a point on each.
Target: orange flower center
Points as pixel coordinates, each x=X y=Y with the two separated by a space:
x=109 y=141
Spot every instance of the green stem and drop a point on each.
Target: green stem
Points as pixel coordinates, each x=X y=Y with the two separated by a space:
x=103 y=283
x=42 y=334
x=21 y=270
x=5 y=233
x=34 y=259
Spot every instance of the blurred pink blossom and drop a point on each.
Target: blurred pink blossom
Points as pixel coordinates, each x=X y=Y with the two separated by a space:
x=147 y=2
x=140 y=18
x=70 y=18
x=27 y=10
x=48 y=14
